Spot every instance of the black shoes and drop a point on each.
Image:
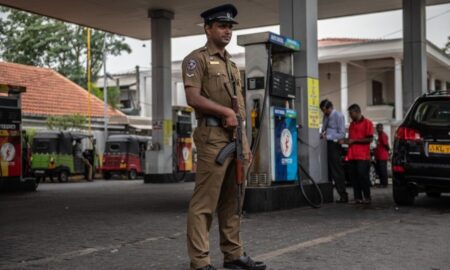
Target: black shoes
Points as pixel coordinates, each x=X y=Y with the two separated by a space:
x=364 y=202
x=208 y=267
x=244 y=262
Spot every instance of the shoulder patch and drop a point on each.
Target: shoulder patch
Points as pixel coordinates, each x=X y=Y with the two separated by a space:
x=191 y=65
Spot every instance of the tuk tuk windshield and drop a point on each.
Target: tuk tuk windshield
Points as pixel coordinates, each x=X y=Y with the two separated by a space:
x=116 y=147
x=45 y=146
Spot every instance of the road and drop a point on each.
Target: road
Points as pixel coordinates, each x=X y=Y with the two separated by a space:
x=130 y=225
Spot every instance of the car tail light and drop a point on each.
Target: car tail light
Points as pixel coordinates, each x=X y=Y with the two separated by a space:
x=398 y=169
x=408 y=134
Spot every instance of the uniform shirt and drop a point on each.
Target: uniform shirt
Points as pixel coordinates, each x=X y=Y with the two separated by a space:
x=359 y=130
x=334 y=125
x=382 y=152
x=207 y=69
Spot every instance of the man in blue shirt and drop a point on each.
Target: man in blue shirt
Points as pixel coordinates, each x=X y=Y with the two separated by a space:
x=333 y=130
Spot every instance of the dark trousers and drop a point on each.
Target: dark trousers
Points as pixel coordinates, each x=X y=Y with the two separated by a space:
x=359 y=172
x=335 y=168
x=381 y=168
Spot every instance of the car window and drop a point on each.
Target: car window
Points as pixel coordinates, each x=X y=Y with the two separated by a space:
x=44 y=146
x=433 y=113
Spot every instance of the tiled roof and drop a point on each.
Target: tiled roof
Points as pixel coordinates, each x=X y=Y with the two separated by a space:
x=325 y=42
x=50 y=93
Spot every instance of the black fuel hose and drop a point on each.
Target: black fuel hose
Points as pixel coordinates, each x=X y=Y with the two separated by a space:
x=316 y=187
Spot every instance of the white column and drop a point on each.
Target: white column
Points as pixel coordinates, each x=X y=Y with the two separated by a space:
x=398 y=90
x=443 y=85
x=159 y=162
x=414 y=51
x=432 y=83
x=344 y=89
x=298 y=20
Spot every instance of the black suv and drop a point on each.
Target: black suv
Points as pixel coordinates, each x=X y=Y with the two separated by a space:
x=421 y=154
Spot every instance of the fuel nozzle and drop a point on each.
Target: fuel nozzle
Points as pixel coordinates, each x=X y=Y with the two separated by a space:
x=255 y=114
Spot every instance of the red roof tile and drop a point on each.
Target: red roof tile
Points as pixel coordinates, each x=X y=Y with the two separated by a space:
x=325 y=42
x=50 y=93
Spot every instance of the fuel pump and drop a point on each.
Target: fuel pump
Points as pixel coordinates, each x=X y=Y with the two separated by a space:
x=273 y=178
x=270 y=95
x=182 y=141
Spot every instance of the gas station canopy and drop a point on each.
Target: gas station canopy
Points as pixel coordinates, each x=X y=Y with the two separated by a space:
x=130 y=18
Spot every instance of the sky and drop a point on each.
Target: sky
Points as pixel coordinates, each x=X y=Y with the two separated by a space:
x=385 y=25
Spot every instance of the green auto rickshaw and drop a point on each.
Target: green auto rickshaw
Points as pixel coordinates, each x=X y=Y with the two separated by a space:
x=62 y=154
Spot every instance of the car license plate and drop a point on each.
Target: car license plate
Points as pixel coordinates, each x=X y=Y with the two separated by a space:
x=439 y=148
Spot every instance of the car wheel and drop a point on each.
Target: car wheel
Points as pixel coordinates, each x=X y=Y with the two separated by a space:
x=106 y=175
x=132 y=174
x=434 y=194
x=403 y=196
x=63 y=177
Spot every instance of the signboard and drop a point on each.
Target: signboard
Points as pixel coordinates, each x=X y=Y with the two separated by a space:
x=284 y=146
x=314 y=118
x=284 y=41
x=184 y=154
x=10 y=143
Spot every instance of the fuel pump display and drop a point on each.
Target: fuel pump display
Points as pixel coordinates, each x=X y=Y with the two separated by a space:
x=270 y=95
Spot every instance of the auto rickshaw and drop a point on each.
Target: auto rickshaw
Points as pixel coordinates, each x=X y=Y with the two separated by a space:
x=62 y=154
x=124 y=155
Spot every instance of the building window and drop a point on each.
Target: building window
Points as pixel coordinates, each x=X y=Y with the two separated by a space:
x=377 y=93
x=125 y=104
x=437 y=85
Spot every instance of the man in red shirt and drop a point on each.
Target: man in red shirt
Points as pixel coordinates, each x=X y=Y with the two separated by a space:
x=360 y=135
x=382 y=156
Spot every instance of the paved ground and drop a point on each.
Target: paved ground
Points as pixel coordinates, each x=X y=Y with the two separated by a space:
x=129 y=225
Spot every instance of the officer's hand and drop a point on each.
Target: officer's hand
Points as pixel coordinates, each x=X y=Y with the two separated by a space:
x=230 y=120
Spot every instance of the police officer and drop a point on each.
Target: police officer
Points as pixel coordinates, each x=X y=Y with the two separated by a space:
x=209 y=76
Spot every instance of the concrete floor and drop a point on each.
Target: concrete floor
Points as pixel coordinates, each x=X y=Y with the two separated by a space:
x=129 y=225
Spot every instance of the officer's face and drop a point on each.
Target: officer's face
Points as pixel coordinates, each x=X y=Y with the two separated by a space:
x=220 y=33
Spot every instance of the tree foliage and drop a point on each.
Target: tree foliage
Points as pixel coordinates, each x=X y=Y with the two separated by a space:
x=40 y=41
x=112 y=92
x=447 y=47
x=70 y=122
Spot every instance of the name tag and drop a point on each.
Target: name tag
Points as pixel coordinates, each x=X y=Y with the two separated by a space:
x=214 y=62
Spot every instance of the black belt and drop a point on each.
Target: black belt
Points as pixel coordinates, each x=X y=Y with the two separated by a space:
x=210 y=121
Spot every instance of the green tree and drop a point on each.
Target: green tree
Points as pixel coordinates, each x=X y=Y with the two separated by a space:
x=113 y=95
x=447 y=47
x=67 y=122
x=40 y=41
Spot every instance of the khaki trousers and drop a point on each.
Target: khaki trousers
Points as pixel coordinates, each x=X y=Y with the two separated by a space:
x=215 y=191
